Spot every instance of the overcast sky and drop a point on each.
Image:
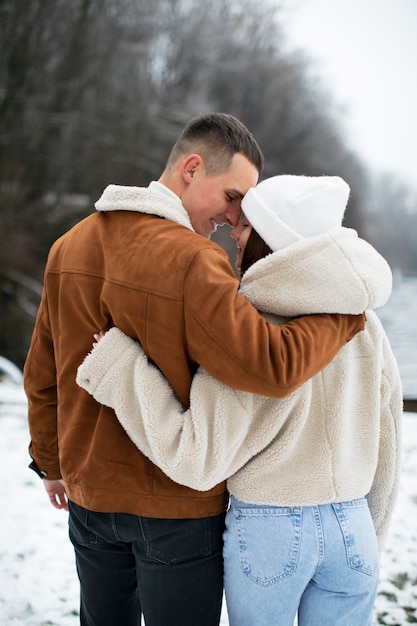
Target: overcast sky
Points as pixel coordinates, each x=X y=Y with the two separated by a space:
x=365 y=51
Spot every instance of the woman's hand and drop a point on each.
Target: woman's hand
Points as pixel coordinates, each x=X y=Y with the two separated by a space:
x=98 y=337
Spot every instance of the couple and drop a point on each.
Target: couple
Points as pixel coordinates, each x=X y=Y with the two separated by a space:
x=144 y=543
x=313 y=476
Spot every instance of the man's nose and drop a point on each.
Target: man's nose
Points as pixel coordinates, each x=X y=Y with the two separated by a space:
x=233 y=217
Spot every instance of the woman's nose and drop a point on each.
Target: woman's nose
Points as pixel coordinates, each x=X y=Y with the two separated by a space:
x=234 y=233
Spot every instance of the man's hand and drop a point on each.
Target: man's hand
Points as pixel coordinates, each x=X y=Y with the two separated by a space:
x=57 y=494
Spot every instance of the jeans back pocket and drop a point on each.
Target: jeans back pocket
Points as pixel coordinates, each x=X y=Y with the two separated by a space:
x=269 y=542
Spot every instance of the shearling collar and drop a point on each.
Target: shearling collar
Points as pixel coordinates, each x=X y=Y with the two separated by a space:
x=143 y=200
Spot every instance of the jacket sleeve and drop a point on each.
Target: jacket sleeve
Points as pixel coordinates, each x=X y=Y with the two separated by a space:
x=41 y=390
x=227 y=336
x=384 y=491
x=198 y=447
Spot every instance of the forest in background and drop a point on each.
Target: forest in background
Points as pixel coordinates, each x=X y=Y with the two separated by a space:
x=94 y=92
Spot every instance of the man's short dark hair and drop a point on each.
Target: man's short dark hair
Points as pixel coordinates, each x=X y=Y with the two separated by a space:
x=217 y=137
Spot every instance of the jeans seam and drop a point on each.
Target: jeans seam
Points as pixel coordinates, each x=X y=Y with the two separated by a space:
x=320 y=537
x=354 y=561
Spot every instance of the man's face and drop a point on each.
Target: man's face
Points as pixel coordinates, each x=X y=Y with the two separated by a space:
x=215 y=200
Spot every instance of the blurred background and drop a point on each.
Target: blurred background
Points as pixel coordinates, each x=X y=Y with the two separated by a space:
x=94 y=92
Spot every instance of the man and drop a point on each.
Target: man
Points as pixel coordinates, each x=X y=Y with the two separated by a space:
x=143 y=262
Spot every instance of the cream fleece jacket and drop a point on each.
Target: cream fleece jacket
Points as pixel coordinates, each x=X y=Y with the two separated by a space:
x=334 y=439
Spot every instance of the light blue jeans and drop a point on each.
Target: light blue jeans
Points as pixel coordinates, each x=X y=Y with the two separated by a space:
x=321 y=561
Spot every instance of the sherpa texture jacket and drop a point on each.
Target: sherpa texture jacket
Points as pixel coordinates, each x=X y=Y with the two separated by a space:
x=334 y=439
x=137 y=264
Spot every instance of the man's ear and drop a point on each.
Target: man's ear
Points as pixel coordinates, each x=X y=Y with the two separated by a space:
x=190 y=166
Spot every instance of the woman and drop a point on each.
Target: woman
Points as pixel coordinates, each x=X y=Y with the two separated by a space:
x=313 y=477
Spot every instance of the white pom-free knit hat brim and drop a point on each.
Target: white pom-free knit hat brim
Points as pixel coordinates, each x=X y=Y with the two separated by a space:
x=284 y=209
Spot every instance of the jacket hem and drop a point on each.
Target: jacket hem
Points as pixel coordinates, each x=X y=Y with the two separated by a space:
x=144 y=505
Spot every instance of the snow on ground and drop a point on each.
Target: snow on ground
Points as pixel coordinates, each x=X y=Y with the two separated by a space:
x=39 y=583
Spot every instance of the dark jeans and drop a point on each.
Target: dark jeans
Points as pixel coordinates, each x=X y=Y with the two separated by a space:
x=171 y=571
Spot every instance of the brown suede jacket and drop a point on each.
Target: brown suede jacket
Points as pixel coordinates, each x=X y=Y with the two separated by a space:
x=138 y=265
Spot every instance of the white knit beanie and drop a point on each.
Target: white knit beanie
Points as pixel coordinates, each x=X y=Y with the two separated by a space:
x=284 y=209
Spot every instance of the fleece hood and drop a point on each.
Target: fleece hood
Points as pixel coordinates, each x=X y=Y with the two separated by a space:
x=335 y=272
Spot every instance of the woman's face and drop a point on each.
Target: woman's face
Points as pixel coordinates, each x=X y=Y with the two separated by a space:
x=241 y=233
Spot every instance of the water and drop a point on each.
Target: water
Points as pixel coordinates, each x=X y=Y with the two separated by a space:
x=399 y=318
